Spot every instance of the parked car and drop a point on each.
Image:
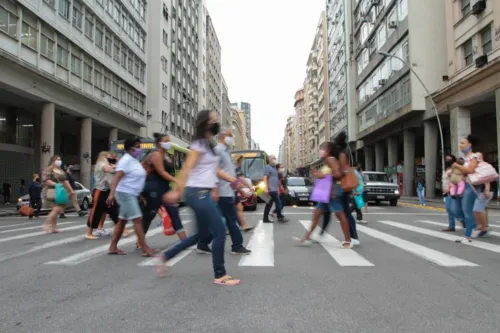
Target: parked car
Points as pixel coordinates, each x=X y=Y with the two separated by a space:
x=83 y=195
x=299 y=190
x=380 y=189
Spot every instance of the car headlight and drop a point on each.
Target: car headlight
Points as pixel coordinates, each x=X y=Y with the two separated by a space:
x=291 y=192
x=261 y=185
x=396 y=191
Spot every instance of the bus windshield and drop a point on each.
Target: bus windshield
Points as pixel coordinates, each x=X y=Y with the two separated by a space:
x=253 y=168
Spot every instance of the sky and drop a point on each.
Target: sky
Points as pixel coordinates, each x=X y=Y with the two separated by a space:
x=265 y=45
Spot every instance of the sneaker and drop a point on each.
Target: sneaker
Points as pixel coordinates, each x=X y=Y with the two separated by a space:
x=82 y=213
x=203 y=249
x=463 y=240
x=242 y=250
x=268 y=221
x=283 y=220
x=355 y=242
x=62 y=216
x=475 y=233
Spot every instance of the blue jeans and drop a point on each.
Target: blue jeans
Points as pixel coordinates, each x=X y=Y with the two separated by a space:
x=209 y=223
x=466 y=207
x=421 y=196
x=228 y=211
x=276 y=200
x=451 y=206
x=346 y=200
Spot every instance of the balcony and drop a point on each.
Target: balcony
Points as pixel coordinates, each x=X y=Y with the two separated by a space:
x=315 y=93
x=315 y=80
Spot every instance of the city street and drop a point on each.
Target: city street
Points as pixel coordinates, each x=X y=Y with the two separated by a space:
x=407 y=276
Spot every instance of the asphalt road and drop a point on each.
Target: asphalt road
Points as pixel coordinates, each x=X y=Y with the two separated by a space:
x=407 y=276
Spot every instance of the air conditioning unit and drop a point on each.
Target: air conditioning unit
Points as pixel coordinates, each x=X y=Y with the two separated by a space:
x=393 y=25
x=382 y=82
x=478 y=7
x=481 y=61
x=340 y=91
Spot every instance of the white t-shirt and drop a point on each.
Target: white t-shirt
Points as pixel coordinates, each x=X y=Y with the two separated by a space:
x=135 y=175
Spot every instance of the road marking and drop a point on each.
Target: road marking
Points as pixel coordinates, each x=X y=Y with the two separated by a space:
x=31 y=228
x=439 y=258
x=19 y=224
x=98 y=251
x=262 y=245
x=34 y=234
x=344 y=257
x=46 y=246
x=457 y=227
x=452 y=238
x=171 y=262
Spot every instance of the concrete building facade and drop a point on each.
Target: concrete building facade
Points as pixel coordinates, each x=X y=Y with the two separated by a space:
x=214 y=71
x=247 y=109
x=290 y=160
x=238 y=129
x=300 y=130
x=73 y=79
x=226 y=105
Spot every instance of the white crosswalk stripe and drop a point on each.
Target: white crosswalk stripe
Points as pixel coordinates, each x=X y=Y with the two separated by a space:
x=31 y=228
x=493 y=233
x=262 y=246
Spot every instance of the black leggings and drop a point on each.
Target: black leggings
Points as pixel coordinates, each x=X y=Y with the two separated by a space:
x=100 y=207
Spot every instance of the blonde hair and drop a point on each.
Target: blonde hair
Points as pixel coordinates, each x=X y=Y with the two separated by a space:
x=101 y=158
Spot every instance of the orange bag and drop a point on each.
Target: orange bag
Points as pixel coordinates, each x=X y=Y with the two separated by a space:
x=26 y=210
x=168 y=229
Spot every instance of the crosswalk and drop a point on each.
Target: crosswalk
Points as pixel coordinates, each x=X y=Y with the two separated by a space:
x=418 y=238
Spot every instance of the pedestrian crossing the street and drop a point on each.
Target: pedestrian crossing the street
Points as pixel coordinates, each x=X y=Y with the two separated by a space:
x=418 y=238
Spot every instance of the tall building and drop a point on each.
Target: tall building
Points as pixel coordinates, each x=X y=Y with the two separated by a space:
x=73 y=79
x=290 y=129
x=174 y=79
x=247 y=108
x=341 y=72
x=300 y=130
x=214 y=72
x=238 y=130
x=390 y=100
x=226 y=106
x=244 y=140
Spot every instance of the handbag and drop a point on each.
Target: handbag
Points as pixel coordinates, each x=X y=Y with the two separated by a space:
x=168 y=229
x=26 y=210
x=349 y=182
x=61 y=196
x=484 y=173
x=322 y=189
x=358 y=200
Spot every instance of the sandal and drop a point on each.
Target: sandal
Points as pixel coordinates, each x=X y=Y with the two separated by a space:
x=161 y=268
x=150 y=254
x=117 y=253
x=346 y=245
x=302 y=241
x=227 y=281
x=91 y=237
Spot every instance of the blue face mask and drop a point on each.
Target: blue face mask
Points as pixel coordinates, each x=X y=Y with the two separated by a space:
x=466 y=150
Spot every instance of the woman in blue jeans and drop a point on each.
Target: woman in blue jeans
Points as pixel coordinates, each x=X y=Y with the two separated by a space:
x=201 y=171
x=469 y=197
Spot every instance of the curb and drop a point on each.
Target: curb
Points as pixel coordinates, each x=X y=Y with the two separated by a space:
x=435 y=208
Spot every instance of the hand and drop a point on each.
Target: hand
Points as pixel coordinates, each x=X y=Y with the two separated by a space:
x=110 y=200
x=454 y=165
x=487 y=194
x=215 y=195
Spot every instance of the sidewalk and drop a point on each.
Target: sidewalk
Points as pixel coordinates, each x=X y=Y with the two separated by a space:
x=437 y=203
x=8 y=210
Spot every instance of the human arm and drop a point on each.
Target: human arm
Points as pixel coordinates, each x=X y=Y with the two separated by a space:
x=111 y=197
x=108 y=168
x=487 y=189
x=318 y=174
x=466 y=170
x=333 y=164
x=47 y=178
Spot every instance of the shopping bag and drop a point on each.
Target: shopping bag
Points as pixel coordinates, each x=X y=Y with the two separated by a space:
x=322 y=189
x=358 y=200
x=61 y=196
x=26 y=210
x=168 y=229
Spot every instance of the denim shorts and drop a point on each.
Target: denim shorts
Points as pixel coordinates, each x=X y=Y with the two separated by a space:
x=481 y=202
x=129 y=206
x=334 y=206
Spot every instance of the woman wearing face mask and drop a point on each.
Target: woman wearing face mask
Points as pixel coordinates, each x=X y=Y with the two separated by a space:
x=469 y=196
x=450 y=203
x=201 y=170
x=237 y=202
x=103 y=173
x=160 y=174
x=127 y=185
x=53 y=175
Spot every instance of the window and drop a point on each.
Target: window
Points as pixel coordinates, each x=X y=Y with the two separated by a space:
x=77 y=15
x=381 y=35
x=8 y=18
x=164 y=64
x=165 y=38
x=164 y=91
x=64 y=8
x=62 y=52
x=465 y=7
x=107 y=82
x=76 y=62
x=123 y=95
x=87 y=69
x=468 y=55
x=98 y=76
x=486 y=39
x=131 y=63
x=124 y=57
x=116 y=87
x=116 y=14
x=136 y=69
x=116 y=50
x=107 y=45
x=125 y=22
x=29 y=33
x=89 y=25
x=402 y=9
x=142 y=9
x=51 y=3
x=99 y=32
x=47 y=42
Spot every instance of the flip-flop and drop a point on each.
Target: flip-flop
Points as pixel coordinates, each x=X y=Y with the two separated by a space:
x=150 y=254
x=117 y=253
x=228 y=281
x=248 y=229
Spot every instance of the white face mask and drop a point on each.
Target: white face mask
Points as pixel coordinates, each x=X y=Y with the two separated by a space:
x=166 y=145
x=229 y=141
x=58 y=163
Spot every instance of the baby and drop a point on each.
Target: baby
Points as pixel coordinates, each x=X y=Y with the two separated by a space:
x=457 y=183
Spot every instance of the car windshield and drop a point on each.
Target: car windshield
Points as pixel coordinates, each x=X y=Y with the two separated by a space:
x=377 y=177
x=298 y=182
x=253 y=168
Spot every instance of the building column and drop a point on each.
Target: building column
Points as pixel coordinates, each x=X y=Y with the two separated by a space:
x=379 y=156
x=369 y=156
x=86 y=152
x=497 y=103
x=392 y=151
x=430 y=150
x=113 y=134
x=459 y=127
x=409 y=162
x=47 y=129
x=11 y=126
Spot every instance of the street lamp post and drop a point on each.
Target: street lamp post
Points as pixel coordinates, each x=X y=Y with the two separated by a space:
x=385 y=54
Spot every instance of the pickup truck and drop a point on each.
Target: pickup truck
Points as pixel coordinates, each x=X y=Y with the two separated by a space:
x=379 y=188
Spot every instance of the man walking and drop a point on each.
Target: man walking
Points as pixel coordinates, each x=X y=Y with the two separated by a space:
x=272 y=183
